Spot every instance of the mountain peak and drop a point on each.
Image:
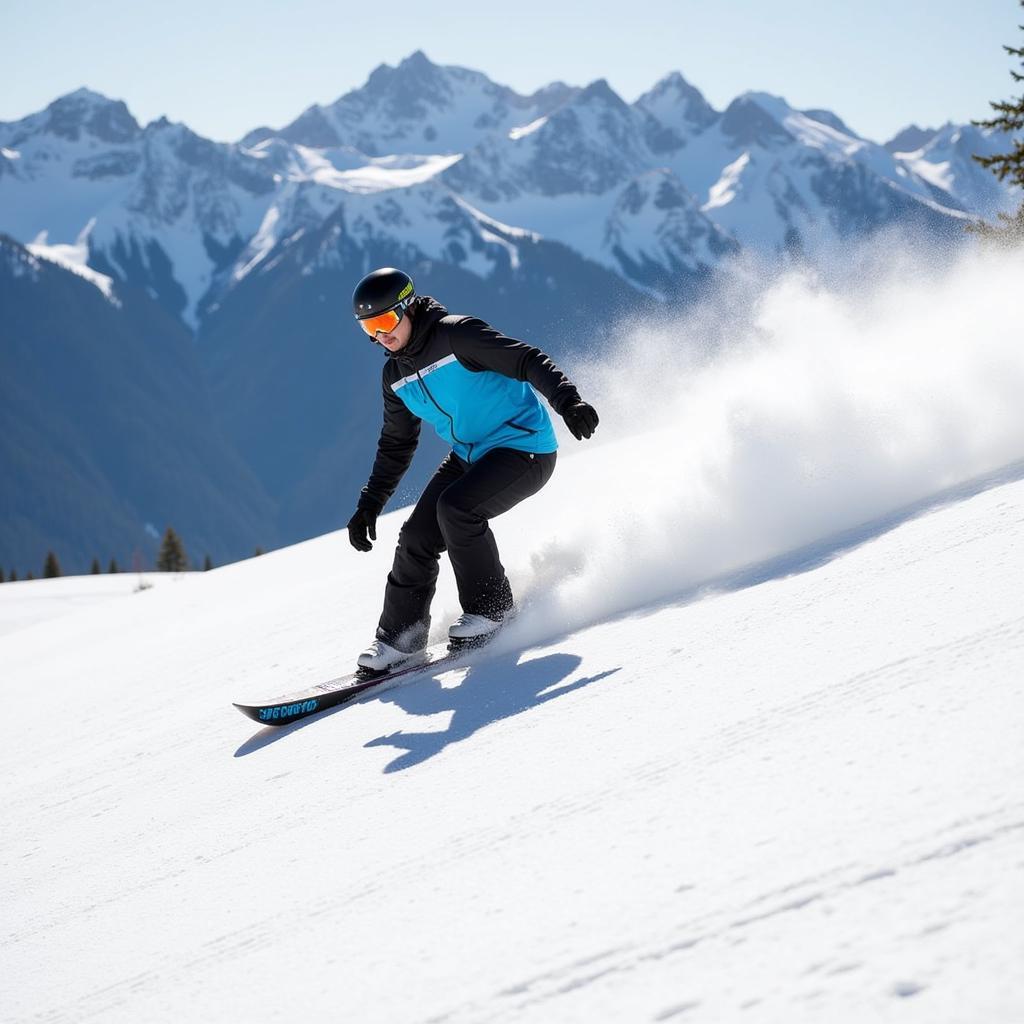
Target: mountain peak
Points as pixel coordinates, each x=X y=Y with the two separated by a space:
x=674 y=79
x=755 y=117
x=911 y=138
x=674 y=95
x=85 y=95
x=413 y=80
x=416 y=66
x=599 y=91
x=418 y=106
x=674 y=82
x=89 y=111
x=416 y=61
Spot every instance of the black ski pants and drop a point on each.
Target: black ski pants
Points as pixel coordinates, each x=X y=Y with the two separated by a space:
x=452 y=514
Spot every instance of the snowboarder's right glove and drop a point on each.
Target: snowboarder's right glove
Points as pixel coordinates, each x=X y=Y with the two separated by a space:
x=581 y=419
x=362 y=523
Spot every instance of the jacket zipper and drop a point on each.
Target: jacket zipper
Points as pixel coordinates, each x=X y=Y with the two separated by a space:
x=444 y=412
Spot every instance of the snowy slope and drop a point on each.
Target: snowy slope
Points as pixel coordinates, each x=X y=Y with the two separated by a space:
x=75 y=257
x=790 y=799
x=946 y=161
x=27 y=602
x=752 y=749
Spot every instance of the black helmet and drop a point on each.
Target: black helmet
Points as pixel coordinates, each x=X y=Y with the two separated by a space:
x=381 y=291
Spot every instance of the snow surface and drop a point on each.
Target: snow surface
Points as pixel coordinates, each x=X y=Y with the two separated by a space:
x=391 y=172
x=528 y=129
x=76 y=259
x=27 y=602
x=752 y=750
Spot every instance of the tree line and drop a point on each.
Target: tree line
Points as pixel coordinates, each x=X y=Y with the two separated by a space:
x=171 y=557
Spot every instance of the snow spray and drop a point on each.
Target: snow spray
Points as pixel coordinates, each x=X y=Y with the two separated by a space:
x=786 y=408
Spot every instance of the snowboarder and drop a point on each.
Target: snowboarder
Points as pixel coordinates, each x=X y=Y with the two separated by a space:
x=475 y=387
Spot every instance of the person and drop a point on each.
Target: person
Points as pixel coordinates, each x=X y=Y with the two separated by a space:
x=476 y=388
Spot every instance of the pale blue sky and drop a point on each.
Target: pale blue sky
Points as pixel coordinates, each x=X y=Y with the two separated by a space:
x=225 y=66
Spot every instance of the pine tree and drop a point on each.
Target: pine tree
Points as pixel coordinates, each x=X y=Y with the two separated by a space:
x=113 y=567
x=30 y=576
x=95 y=569
x=51 y=567
x=1 y=575
x=207 y=564
x=172 y=557
x=1009 y=117
x=258 y=551
x=14 y=575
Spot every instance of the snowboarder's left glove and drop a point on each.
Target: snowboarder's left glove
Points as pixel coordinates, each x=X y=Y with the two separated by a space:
x=362 y=528
x=581 y=419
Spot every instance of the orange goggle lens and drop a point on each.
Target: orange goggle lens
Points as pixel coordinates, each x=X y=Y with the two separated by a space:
x=385 y=322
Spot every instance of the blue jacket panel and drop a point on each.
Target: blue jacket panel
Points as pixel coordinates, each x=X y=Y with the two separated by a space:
x=475 y=411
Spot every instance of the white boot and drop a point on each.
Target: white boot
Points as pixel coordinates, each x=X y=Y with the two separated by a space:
x=381 y=657
x=472 y=629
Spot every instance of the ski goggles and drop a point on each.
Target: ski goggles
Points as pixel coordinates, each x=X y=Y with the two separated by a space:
x=382 y=323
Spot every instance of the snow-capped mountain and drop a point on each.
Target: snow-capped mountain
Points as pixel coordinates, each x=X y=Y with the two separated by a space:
x=658 y=237
x=944 y=160
x=188 y=218
x=583 y=175
x=760 y=175
x=418 y=107
x=160 y=207
x=590 y=144
x=676 y=110
x=780 y=180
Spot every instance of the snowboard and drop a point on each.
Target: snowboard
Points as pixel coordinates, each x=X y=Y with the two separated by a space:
x=291 y=707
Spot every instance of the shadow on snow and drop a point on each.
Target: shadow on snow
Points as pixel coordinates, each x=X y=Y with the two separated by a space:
x=490 y=691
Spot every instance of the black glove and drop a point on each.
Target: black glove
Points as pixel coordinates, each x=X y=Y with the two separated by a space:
x=362 y=523
x=581 y=419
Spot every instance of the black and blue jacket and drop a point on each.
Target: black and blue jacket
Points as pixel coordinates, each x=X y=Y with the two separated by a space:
x=472 y=384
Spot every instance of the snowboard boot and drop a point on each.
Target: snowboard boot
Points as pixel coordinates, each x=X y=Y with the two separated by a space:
x=380 y=658
x=470 y=630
